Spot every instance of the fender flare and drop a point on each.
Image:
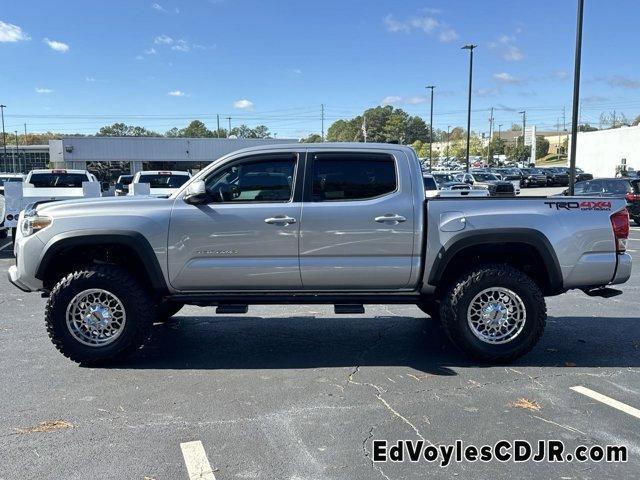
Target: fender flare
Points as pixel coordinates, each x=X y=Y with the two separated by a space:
x=131 y=239
x=527 y=236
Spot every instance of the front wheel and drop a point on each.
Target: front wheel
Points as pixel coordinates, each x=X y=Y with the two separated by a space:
x=494 y=313
x=99 y=314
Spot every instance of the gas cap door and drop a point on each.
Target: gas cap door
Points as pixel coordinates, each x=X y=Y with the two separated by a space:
x=452 y=221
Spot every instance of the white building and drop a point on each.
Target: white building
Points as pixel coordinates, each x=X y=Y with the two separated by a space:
x=600 y=152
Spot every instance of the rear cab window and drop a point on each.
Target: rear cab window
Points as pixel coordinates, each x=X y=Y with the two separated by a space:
x=352 y=176
x=58 y=180
x=162 y=180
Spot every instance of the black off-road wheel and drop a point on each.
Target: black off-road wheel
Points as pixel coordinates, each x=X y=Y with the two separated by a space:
x=494 y=313
x=99 y=315
x=167 y=309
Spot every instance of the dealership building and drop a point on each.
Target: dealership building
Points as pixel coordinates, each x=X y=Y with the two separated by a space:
x=109 y=157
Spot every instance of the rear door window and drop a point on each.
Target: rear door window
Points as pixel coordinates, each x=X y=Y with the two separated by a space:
x=352 y=176
x=58 y=180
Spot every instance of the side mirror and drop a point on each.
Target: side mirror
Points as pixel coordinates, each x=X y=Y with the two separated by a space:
x=196 y=193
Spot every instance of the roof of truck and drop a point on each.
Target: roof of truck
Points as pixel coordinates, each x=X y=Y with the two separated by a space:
x=58 y=170
x=164 y=172
x=328 y=146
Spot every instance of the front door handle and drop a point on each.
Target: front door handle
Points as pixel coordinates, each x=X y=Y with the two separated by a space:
x=280 y=220
x=391 y=217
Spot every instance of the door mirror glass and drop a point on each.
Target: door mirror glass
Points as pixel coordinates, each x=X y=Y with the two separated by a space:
x=196 y=193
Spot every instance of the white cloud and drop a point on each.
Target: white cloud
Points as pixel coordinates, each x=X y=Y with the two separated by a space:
x=89 y=79
x=163 y=40
x=509 y=51
x=12 y=33
x=181 y=46
x=150 y=51
x=56 y=45
x=177 y=93
x=561 y=74
x=427 y=23
x=43 y=91
x=297 y=71
x=398 y=100
x=158 y=7
x=243 y=104
x=505 y=77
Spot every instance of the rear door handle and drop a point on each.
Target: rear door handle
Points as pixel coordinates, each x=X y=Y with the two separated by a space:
x=389 y=217
x=280 y=220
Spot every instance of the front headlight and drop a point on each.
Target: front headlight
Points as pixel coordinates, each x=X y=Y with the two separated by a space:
x=33 y=223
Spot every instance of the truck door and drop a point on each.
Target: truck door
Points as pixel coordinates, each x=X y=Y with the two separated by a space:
x=246 y=236
x=357 y=227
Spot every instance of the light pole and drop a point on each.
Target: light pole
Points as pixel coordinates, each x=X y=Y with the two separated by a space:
x=524 y=127
x=448 y=140
x=576 y=99
x=431 y=129
x=14 y=158
x=4 y=138
x=469 y=47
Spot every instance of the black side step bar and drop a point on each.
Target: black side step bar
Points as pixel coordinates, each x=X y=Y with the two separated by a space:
x=232 y=309
x=604 y=292
x=353 y=308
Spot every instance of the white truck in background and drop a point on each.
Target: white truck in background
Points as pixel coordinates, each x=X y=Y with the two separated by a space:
x=43 y=186
x=157 y=183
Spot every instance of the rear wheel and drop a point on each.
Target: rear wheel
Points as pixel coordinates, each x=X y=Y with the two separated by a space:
x=99 y=315
x=494 y=313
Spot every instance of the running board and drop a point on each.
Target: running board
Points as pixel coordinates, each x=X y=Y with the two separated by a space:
x=296 y=298
x=348 y=309
x=232 y=309
x=604 y=292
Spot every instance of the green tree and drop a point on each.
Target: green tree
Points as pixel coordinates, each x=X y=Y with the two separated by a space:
x=312 y=138
x=636 y=121
x=122 y=130
x=196 y=129
x=542 y=147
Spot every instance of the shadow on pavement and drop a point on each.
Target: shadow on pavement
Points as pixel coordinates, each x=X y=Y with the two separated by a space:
x=418 y=343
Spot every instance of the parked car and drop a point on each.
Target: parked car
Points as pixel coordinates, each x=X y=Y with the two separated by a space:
x=122 y=185
x=448 y=181
x=9 y=177
x=581 y=175
x=161 y=183
x=489 y=181
x=349 y=226
x=627 y=188
x=533 y=177
x=556 y=176
x=510 y=174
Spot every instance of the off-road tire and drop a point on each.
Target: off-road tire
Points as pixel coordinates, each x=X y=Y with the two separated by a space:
x=137 y=301
x=454 y=306
x=167 y=309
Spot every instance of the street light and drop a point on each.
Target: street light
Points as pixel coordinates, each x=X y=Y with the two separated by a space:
x=448 y=140
x=524 y=126
x=576 y=99
x=4 y=137
x=469 y=47
x=431 y=129
x=14 y=160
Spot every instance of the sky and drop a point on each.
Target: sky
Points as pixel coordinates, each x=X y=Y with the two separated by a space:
x=72 y=66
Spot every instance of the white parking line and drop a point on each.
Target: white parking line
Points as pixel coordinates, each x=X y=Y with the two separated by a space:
x=195 y=458
x=623 y=407
x=5 y=246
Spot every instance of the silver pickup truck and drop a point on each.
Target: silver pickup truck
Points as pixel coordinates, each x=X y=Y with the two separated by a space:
x=339 y=224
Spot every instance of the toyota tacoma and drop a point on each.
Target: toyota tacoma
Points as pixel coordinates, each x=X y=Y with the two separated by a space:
x=339 y=224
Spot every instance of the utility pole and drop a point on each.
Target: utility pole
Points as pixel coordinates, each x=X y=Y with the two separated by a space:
x=4 y=137
x=576 y=99
x=322 y=116
x=431 y=87
x=16 y=155
x=448 y=140
x=524 y=127
x=218 y=122
x=25 y=133
x=558 y=129
x=564 y=119
x=229 y=118
x=469 y=47
x=490 y=138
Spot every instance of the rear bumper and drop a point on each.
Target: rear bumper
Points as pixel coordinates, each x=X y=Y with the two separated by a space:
x=623 y=269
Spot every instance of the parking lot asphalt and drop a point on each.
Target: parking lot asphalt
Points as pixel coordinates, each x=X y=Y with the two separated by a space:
x=301 y=393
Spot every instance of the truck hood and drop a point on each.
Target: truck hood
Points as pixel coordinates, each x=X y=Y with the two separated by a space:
x=110 y=204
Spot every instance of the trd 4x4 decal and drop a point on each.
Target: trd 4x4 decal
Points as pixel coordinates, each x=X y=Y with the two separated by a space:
x=586 y=205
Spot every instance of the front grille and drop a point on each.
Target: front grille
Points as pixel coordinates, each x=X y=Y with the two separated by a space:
x=504 y=188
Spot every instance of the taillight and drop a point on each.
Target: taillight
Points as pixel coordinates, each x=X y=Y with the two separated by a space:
x=620 y=225
x=631 y=197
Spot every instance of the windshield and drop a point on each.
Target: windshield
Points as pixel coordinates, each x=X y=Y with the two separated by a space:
x=444 y=177
x=58 y=180
x=163 y=181
x=125 y=179
x=485 y=177
x=603 y=187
